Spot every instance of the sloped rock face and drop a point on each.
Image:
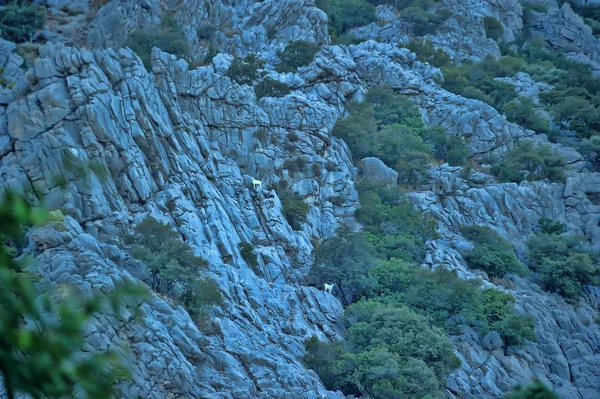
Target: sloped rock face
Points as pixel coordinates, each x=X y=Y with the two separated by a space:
x=183 y=146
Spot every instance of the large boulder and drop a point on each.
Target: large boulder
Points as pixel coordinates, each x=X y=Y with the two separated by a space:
x=375 y=170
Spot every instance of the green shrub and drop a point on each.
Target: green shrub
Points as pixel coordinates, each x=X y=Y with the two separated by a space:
x=345 y=260
x=549 y=226
x=174 y=267
x=529 y=162
x=389 y=353
x=563 y=262
x=18 y=24
x=206 y=32
x=344 y=15
x=537 y=390
x=386 y=125
x=426 y=52
x=492 y=253
x=245 y=71
x=168 y=36
x=296 y=164
x=493 y=28
x=247 y=252
x=295 y=209
x=296 y=54
x=447 y=148
x=499 y=314
x=271 y=88
x=522 y=111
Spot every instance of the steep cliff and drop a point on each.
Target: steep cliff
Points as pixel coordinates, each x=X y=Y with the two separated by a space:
x=183 y=146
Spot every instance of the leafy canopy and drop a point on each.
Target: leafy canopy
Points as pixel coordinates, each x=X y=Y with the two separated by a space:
x=41 y=333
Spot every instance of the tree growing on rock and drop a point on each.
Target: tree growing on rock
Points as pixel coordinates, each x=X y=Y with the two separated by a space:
x=175 y=269
x=41 y=332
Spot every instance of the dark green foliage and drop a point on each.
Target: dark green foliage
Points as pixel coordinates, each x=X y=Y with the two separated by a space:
x=42 y=332
x=446 y=148
x=522 y=111
x=549 y=226
x=499 y=315
x=174 y=266
x=271 y=88
x=168 y=36
x=426 y=52
x=346 y=14
x=206 y=32
x=245 y=70
x=492 y=253
x=19 y=23
x=247 y=252
x=296 y=54
x=388 y=126
x=563 y=262
x=389 y=353
x=426 y=15
x=295 y=209
x=590 y=148
x=345 y=260
x=296 y=164
x=394 y=228
x=529 y=162
x=537 y=390
x=493 y=28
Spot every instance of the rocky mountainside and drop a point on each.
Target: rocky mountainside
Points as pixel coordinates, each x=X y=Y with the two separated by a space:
x=183 y=143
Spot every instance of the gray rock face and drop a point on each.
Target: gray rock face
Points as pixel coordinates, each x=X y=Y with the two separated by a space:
x=375 y=170
x=183 y=146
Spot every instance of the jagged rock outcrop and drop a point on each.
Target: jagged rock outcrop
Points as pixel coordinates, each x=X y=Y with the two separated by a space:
x=184 y=145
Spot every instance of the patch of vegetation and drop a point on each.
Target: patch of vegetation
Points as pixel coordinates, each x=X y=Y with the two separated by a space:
x=390 y=352
x=206 y=32
x=425 y=15
x=296 y=164
x=245 y=70
x=492 y=253
x=168 y=36
x=563 y=262
x=386 y=125
x=529 y=162
x=392 y=225
x=522 y=111
x=493 y=28
x=537 y=390
x=42 y=331
x=247 y=252
x=271 y=88
x=426 y=52
x=296 y=54
x=344 y=15
x=295 y=209
x=174 y=267
x=19 y=23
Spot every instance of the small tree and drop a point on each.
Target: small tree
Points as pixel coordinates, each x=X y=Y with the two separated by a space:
x=18 y=24
x=174 y=267
x=245 y=70
x=41 y=333
x=296 y=54
x=345 y=260
x=271 y=88
x=528 y=162
x=493 y=28
x=536 y=390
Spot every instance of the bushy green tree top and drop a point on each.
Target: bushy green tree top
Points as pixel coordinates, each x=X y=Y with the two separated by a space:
x=528 y=161
x=19 y=23
x=41 y=333
x=296 y=54
x=537 y=390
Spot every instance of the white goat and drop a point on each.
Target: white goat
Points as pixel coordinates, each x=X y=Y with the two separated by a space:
x=328 y=287
x=256 y=183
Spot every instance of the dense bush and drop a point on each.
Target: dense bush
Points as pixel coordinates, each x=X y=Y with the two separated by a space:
x=426 y=52
x=168 y=36
x=206 y=32
x=393 y=226
x=390 y=352
x=563 y=262
x=386 y=125
x=522 y=111
x=537 y=390
x=345 y=260
x=492 y=253
x=245 y=70
x=247 y=252
x=271 y=88
x=493 y=28
x=346 y=14
x=19 y=23
x=174 y=268
x=499 y=315
x=296 y=54
x=530 y=162
x=295 y=209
